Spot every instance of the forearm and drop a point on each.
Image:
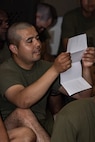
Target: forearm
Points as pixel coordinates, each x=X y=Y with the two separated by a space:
x=3 y=132
x=87 y=61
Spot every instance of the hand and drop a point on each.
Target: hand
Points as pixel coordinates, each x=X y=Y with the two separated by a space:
x=88 y=58
x=62 y=62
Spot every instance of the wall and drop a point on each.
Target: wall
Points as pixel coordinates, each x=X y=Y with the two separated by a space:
x=63 y=5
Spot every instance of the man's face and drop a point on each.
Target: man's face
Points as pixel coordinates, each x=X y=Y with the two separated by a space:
x=41 y=21
x=88 y=5
x=3 y=26
x=29 y=48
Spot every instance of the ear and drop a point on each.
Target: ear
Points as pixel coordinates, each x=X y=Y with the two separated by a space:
x=13 y=48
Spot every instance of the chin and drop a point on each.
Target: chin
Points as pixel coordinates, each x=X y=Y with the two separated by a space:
x=37 y=58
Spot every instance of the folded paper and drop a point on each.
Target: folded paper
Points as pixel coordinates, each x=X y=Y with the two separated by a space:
x=72 y=79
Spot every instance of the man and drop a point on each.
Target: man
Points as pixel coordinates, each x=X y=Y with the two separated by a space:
x=46 y=17
x=29 y=81
x=78 y=21
x=75 y=122
x=4 y=51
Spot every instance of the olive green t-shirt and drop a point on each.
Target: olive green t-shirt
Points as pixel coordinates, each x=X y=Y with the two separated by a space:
x=74 y=23
x=12 y=74
x=75 y=122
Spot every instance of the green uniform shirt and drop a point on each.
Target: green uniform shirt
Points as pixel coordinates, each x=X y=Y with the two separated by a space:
x=75 y=122
x=11 y=74
x=74 y=23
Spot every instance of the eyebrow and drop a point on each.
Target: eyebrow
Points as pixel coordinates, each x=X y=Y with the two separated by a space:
x=32 y=37
x=29 y=38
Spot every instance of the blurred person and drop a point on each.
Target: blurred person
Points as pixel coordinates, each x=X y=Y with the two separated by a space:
x=46 y=17
x=4 y=24
x=78 y=21
x=75 y=122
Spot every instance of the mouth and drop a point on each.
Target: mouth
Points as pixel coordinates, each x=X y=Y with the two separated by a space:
x=38 y=52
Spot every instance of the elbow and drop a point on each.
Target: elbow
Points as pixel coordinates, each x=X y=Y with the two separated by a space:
x=24 y=104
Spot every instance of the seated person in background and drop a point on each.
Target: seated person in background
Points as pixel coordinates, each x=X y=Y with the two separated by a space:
x=26 y=81
x=22 y=133
x=4 y=51
x=78 y=21
x=75 y=122
x=46 y=17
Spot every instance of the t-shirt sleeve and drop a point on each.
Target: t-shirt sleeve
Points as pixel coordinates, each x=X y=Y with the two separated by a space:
x=8 y=78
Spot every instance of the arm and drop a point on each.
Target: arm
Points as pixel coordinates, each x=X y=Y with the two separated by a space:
x=3 y=132
x=87 y=61
x=24 y=97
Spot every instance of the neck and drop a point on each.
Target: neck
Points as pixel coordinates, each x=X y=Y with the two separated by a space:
x=24 y=65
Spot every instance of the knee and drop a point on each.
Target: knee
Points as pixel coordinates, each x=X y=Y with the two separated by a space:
x=22 y=134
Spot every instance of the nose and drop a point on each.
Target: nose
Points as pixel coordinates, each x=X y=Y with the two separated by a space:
x=36 y=41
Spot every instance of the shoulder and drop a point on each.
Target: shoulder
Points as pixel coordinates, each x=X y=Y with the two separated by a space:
x=73 y=12
x=8 y=67
x=78 y=107
x=5 y=64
